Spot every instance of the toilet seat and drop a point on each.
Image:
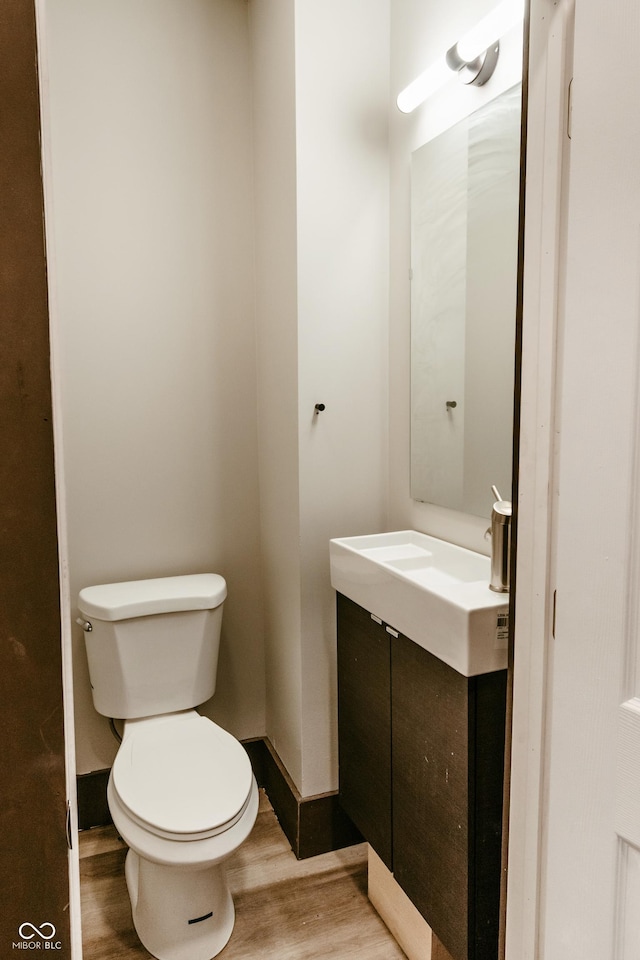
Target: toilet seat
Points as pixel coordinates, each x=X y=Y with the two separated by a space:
x=181 y=776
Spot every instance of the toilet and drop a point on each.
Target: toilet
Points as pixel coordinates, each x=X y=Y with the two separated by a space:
x=181 y=791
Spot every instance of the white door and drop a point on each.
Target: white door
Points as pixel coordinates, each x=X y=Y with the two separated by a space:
x=577 y=759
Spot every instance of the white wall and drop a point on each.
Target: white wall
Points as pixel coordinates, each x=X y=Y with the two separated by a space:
x=152 y=280
x=273 y=55
x=421 y=31
x=342 y=90
x=321 y=201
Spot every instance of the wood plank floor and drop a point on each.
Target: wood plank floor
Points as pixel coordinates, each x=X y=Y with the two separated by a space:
x=315 y=909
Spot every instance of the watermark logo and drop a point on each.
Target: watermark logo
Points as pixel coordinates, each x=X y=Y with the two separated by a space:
x=36 y=938
x=27 y=931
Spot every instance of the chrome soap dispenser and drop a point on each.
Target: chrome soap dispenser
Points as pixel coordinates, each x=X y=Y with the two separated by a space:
x=500 y=534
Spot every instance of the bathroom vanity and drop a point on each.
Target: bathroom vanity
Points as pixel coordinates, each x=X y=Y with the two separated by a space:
x=421 y=744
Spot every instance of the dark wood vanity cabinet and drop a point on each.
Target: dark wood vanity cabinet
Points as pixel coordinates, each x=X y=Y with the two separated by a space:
x=434 y=815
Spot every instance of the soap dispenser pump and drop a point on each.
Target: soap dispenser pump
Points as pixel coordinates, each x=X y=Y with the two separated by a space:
x=500 y=534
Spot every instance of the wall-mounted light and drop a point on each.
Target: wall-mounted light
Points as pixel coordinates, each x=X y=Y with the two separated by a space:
x=473 y=57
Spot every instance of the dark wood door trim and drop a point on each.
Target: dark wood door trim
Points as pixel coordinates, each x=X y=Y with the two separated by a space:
x=33 y=860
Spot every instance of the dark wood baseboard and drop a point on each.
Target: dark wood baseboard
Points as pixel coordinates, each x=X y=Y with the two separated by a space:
x=93 y=809
x=312 y=825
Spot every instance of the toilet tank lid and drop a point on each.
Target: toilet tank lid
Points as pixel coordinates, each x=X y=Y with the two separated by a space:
x=141 y=598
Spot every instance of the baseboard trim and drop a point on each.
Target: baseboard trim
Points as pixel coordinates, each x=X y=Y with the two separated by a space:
x=93 y=809
x=312 y=825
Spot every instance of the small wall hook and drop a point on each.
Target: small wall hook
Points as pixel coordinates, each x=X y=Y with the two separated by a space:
x=319 y=407
x=451 y=404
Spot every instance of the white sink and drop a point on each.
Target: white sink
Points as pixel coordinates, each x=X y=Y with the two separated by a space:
x=433 y=592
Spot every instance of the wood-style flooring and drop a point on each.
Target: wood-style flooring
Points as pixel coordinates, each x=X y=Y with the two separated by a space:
x=286 y=909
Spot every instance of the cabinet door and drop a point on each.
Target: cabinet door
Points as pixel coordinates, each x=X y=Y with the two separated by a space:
x=364 y=728
x=431 y=790
x=448 y=762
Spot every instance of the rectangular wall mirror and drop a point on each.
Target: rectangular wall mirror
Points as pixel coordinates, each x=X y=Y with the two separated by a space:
x=464 y=258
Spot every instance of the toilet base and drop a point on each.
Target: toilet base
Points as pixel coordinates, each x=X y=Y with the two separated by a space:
x=179 y=914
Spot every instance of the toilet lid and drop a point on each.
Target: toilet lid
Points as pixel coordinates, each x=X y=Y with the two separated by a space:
x=182 y=777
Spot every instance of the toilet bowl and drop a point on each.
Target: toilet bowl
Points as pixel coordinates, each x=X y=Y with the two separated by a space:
x=183 y=798
x=181 y=791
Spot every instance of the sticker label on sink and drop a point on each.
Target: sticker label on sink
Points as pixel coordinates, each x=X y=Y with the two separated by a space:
x=502 y=629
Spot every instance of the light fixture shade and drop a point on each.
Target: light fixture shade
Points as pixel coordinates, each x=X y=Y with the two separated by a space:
x=485 y=33
x=424 y=86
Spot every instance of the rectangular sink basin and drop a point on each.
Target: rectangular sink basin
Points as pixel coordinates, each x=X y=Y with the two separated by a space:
x=433 y=592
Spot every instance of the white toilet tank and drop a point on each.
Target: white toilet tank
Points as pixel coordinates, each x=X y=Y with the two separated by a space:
x=152 y=645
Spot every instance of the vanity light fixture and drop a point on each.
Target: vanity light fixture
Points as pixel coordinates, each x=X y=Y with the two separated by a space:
x=473 y=57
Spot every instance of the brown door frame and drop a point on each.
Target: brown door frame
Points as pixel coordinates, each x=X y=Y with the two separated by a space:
x=34 y=862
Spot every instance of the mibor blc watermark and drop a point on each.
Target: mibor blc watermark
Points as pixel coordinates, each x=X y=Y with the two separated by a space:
x=36 y=938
